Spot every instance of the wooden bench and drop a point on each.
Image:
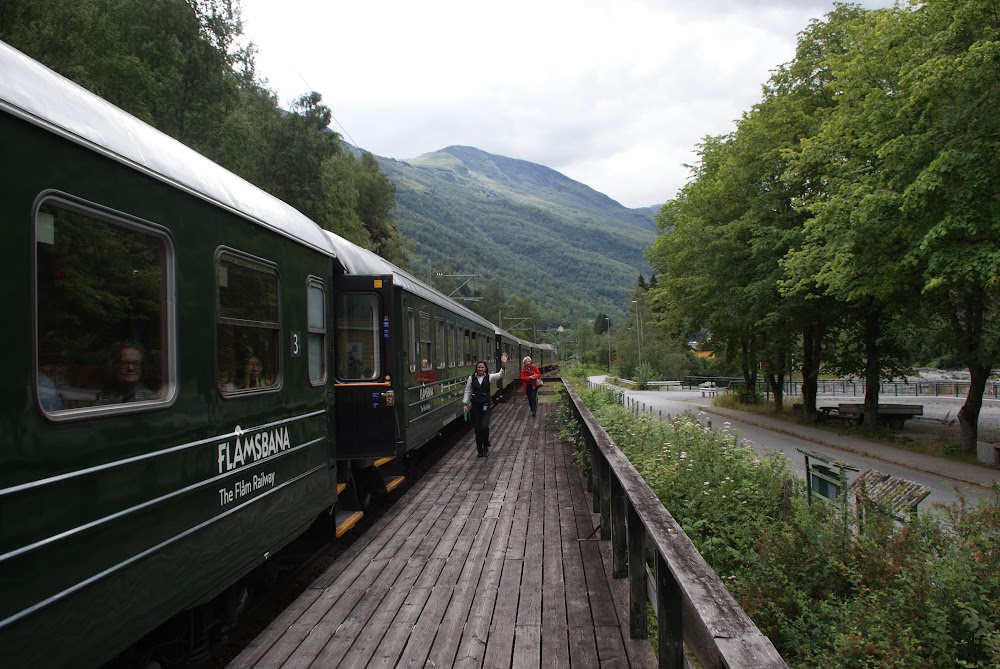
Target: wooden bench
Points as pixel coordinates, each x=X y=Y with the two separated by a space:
x=665 y=385
x=832 y=413
x=893 y=415
x=710 y=390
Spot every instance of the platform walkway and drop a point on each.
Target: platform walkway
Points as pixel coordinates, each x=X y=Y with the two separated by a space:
x=485 y=562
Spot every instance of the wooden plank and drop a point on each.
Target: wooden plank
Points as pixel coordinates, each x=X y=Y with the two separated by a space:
x=256 y=649
x=611 y=653
x=583 y=646
x=465 y=626
x=384 y=655
x=321 y=610
x=500 y=644
x=527 y=647
x=360 y=632
x=472 y=647
x=556 y=647
x=448 y=607
x=336 y=632
x=597 y=585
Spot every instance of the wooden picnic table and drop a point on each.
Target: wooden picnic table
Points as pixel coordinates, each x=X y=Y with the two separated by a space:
x=893 y=415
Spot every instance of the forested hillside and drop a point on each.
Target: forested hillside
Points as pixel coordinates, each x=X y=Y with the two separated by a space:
x=186 y=68
x=572 y=251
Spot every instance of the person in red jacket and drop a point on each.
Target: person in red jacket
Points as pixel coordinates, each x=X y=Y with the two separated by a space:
x=529 y=379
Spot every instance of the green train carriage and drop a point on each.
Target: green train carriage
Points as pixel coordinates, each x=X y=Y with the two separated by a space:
x=121 y=508
x=274 y=367
x=406 y=343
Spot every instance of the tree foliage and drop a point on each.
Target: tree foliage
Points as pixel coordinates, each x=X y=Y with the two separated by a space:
x=854 y=207
x=184 y=67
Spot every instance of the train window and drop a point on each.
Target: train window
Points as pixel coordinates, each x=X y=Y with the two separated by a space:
x=358 y=329
x=247 y=326
x=426 y=346
x=441 y=342
x=411 y=329
x=316 y=308
x=469 y=353
x=101 y=309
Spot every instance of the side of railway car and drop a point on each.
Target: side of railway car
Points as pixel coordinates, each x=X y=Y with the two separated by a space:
x=205 y=373
x=516 y=349
x=548 y=357
x=435 y=342
x=168 y=322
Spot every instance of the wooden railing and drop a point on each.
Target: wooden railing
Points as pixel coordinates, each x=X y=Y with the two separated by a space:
x=691 y=603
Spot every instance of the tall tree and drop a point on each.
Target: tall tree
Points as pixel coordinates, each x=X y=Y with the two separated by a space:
x=945 y=167
x=854 y=241
x=493 y=302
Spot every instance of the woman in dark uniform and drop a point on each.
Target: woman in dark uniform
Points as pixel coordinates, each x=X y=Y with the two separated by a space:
x=477 y=391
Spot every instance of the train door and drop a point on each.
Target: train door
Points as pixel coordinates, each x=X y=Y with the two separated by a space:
x=363 y=351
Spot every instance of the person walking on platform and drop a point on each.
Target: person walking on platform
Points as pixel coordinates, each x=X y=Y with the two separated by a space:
x=477 y=390
x=529 y=379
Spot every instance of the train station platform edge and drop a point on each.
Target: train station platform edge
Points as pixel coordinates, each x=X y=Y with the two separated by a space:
x=483 y=562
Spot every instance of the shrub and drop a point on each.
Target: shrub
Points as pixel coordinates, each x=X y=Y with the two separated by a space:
x=827 y=592
x=643 y=375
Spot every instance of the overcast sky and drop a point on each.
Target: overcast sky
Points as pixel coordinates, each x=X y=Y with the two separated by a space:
x=615 y=94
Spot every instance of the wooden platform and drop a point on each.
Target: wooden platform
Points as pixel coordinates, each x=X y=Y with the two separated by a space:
x=486 y=562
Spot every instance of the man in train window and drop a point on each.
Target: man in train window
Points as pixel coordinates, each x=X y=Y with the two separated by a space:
x=126 y=361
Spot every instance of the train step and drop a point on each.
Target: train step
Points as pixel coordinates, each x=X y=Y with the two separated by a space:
x=346 y=520
x=389 y=470
x=394 y=482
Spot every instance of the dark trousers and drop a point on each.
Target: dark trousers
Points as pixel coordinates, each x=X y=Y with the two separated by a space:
x=481 y=424
x=532 y=394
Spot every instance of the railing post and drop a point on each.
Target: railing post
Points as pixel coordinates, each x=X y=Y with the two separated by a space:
x=670 y=639
x=636 y=574
x=605 y=500
x=619 y=547
x=596 y=458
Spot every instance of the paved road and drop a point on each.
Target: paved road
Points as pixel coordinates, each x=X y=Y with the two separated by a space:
x=947 y=479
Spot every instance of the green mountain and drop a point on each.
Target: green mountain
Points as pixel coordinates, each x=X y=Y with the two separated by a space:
x=571 y=250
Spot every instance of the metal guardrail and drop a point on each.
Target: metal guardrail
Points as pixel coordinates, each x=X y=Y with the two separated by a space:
x=856 y=387
x=692 y=604
x=895 y=388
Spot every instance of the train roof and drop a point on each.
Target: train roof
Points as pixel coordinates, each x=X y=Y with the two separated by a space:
x=40 y=96
x=359 y=261
x=503 y=333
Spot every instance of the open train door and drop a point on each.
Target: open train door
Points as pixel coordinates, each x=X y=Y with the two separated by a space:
x=365 y=411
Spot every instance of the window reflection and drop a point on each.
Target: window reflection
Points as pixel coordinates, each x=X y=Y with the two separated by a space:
x=357 y=339
x=100 y=309
x=247 y=325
